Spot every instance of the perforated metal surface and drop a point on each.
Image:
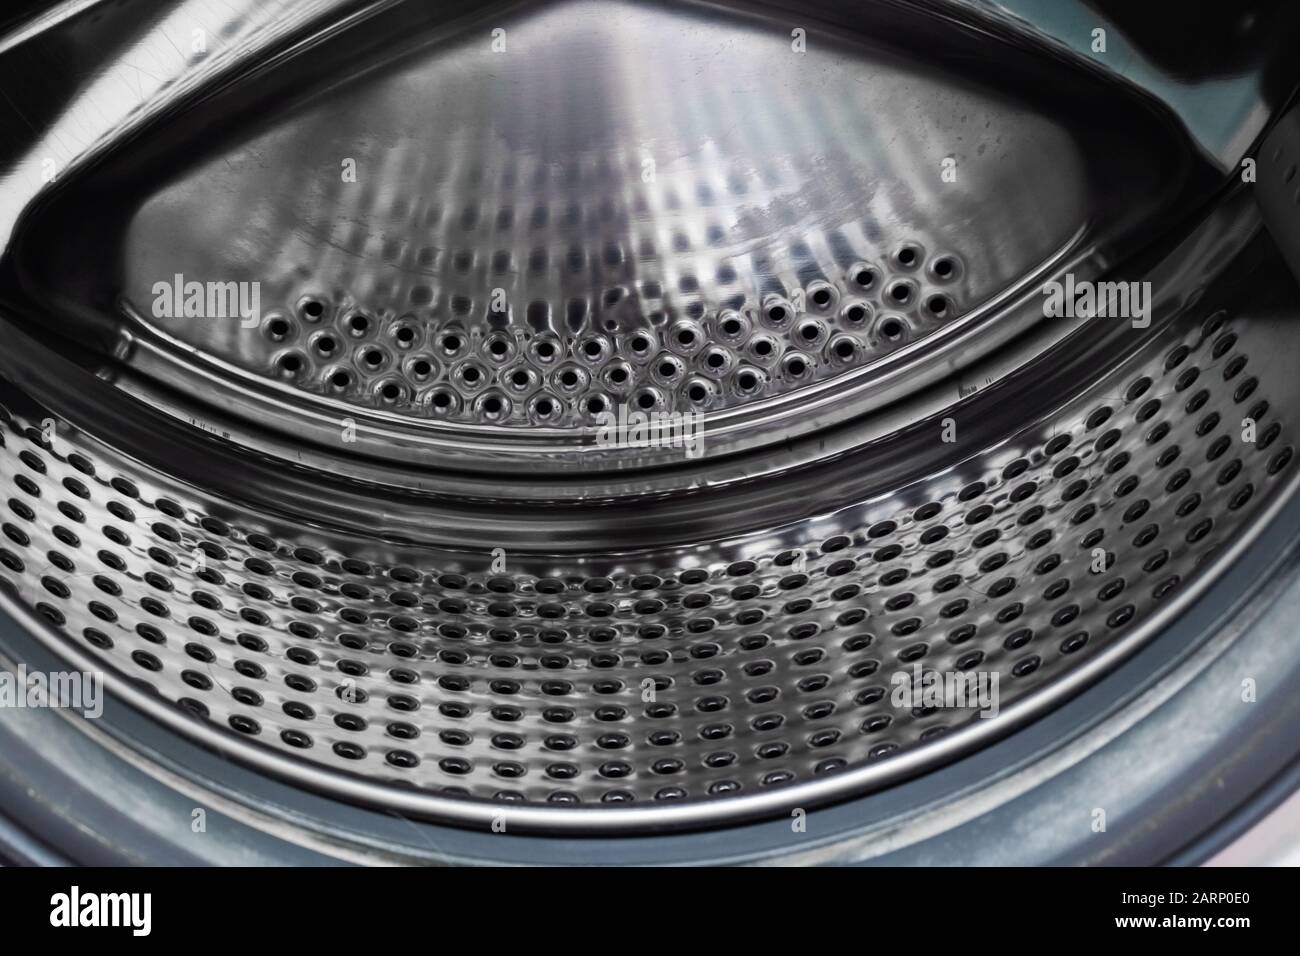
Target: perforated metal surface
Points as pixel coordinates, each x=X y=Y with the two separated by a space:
x=468 y=369
x=372 y=538
x=538 y=251
x=767 y=668
x=685 y=210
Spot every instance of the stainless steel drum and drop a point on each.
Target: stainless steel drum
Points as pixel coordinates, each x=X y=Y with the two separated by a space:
x=320 y=322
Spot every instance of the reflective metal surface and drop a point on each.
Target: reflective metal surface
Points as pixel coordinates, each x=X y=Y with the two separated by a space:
x=767 y=667
x=480 y=247
x=372 y=542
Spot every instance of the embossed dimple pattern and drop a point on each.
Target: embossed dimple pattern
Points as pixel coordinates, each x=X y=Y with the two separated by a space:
x=678 y=212
x=741 y=670
x=475 y=361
